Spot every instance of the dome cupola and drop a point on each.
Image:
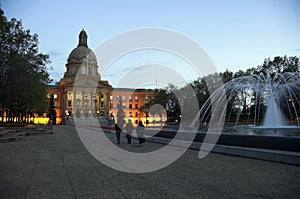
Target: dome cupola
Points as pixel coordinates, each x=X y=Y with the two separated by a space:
x=83 y=38
x=82 y=51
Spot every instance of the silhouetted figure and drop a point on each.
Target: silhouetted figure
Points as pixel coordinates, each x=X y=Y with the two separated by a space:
x=118 y=132
x=129 y=128
x=140 y=130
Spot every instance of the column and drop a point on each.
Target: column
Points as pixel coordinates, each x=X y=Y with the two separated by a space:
x=99 y=103
x=74 y=108
x=91 y=105
x=82 y=104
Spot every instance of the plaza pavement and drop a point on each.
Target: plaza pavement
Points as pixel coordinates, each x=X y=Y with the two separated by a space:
x=58 y=166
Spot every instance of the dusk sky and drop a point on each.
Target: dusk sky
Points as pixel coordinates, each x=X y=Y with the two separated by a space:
x=235 y=34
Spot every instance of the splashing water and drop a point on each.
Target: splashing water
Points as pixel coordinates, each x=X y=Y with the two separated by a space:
x=273 y=117
x=258 y=100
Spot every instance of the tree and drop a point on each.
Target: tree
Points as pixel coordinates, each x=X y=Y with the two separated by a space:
x=280 y=65
x=173 y=104
x=51 y=111
x=165 y=98
x=160 y=97
x=145 y=109
x=23 y=72
x=120 y=115
x=226 y=76
x=239 y=73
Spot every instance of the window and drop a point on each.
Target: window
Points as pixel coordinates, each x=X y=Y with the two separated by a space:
x=124 y=98
x=136 y=98
x=86 y=102
x=83 y=70
x=69 y=103
x=111 y=97
x=136 y=114
x=117 y=97
x=130 y=98
x=102 y=96
x=146 y=98
x=77 y=95
x=102 y=104
x=78 y=102
x=130 y=106
x=136 y=106
x=124 y=105
x=130 y=114
x=111 y=105
x=55 y=96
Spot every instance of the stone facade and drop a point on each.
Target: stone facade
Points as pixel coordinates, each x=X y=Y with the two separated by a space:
x=130 y=100
x=82 y=93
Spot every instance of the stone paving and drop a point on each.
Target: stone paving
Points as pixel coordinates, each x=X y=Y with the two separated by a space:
x=58 y=166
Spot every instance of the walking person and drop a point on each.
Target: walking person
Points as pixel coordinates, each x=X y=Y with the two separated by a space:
x=129 y=128
x=140 y=130
x=118 y=129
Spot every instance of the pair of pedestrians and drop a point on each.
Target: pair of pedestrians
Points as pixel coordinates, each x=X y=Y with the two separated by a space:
x=140 y=130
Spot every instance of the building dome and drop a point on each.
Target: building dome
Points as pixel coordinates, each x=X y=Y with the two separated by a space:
x=82 y=51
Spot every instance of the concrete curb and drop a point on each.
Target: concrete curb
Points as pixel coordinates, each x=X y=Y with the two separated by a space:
x=287 y=157
x=39 y=132
x=10 y=138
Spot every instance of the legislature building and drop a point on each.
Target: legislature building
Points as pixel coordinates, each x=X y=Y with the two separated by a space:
x=82 y=93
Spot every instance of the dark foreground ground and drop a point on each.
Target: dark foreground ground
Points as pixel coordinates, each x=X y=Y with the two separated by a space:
x=58 y=166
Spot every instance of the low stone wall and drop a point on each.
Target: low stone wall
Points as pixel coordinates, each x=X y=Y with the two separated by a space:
x=255 y=141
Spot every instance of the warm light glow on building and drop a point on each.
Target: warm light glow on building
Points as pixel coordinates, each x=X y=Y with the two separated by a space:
x=101 y=102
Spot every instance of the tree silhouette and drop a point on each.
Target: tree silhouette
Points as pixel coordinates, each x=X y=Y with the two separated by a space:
x=51 y=111
x=23 y=72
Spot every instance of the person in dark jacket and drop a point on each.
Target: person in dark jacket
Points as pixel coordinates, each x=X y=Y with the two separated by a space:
x=140 y=130
x=118 y=132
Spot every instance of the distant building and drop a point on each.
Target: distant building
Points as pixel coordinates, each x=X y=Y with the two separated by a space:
x=82 y=93
x=130 y=100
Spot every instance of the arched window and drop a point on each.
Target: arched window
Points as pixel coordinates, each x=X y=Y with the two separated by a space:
x=83 y=70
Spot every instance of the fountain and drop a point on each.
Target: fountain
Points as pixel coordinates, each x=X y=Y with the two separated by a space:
x=258 y=104
x=258 y=111
x=273 y=117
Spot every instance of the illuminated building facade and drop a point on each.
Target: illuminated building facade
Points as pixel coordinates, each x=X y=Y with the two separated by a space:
x=82 y=93
x=130 y=100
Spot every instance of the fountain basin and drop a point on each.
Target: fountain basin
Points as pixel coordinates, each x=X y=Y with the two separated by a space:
x=291 y=143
